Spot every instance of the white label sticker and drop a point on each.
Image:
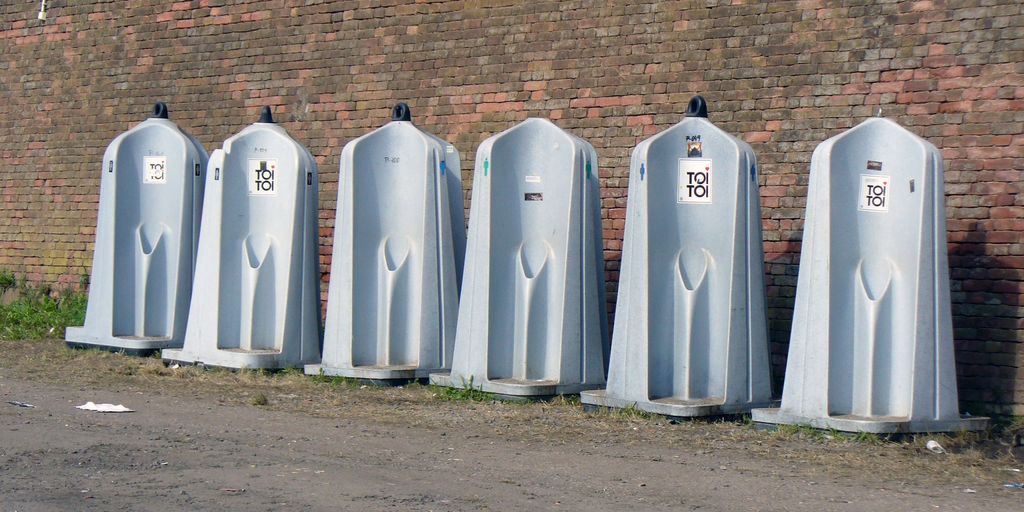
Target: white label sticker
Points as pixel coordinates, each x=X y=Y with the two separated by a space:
x=154 y=169
x=533 y=179
x=874 y=193
x=450 y=149
x=694 y=181
x=262 y=177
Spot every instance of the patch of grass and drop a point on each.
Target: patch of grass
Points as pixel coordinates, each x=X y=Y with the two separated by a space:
x=866 y=437
x=37 y=314
x=467 y=393
x=334 y=381
x=7 y=280
x=632 y=413
x=259 y=399
x=291 y=372
x=824 y=435
x=567 y=400
x=806 y=432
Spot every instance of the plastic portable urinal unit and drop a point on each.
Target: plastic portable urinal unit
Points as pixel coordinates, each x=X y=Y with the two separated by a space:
x=256 y=302
x=532 y=319
x=872 y=347
x=690 y=327
x=151 y=198
x=399 y=240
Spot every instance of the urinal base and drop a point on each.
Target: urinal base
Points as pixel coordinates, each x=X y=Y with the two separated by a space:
x=141 y=346
x=232 y=359
x=516 y=389
x=668 y=407
x=377 y=375
x=884 y=425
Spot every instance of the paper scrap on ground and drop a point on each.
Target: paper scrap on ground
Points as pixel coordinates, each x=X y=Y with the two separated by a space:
x=934 y=447
x=89 y=406
x=21 y=404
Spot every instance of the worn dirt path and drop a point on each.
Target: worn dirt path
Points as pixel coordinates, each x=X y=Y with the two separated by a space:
x=196 y=442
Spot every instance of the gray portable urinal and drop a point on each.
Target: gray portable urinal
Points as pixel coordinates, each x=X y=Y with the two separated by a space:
x=872 y=343
x=532 y=318
x=151 y=199
x=398 y=242
x=256 y=302
x=691 y=336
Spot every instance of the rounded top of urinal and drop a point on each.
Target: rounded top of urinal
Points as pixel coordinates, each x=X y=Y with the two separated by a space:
x=885 y=124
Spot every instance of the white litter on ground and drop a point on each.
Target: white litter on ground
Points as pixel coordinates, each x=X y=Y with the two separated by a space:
x=90 y=406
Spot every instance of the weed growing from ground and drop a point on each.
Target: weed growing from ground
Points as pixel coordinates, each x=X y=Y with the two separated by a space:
x=334 y=381
x=632 y=412
x=36 y=313
x=7 y=280
x=467 y=392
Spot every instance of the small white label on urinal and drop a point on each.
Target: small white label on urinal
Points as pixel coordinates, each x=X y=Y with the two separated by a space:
x=874 y=193
x=450 y=149
x=262 y=177
x=154 y=169
x=533 y=179
x=694 y=181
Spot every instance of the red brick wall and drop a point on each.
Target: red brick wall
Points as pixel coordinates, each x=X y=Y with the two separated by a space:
x=782 y=75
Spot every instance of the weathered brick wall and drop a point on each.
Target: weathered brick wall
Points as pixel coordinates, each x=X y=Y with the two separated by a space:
x=782 y=75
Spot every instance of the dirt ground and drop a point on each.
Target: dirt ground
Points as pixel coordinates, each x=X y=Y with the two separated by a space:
x=218 y=440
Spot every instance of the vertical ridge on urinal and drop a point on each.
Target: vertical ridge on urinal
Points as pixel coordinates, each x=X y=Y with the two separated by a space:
x=691 y=293
x=247 y=298
x=392 y=336
x=874 y=288
x=521 y=329
x=744 y=222
x=744 y=188
x=584 y=176
x=939 y=258
x=531 y=293
x=599 y=278
x=684 y=331
x=385 y=287
x=146 y=250
x=154 y=288
x=258 y=331
x=439 y=229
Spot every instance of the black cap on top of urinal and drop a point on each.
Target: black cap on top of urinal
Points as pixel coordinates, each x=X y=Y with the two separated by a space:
x=160 y=110
x=697 y=107
x=401 y=112
x=266 y=116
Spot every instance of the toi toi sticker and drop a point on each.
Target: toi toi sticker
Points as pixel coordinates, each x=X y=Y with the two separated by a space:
x=874 y=193
x=262 y=177
x=694 y=181
x=154 y=169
